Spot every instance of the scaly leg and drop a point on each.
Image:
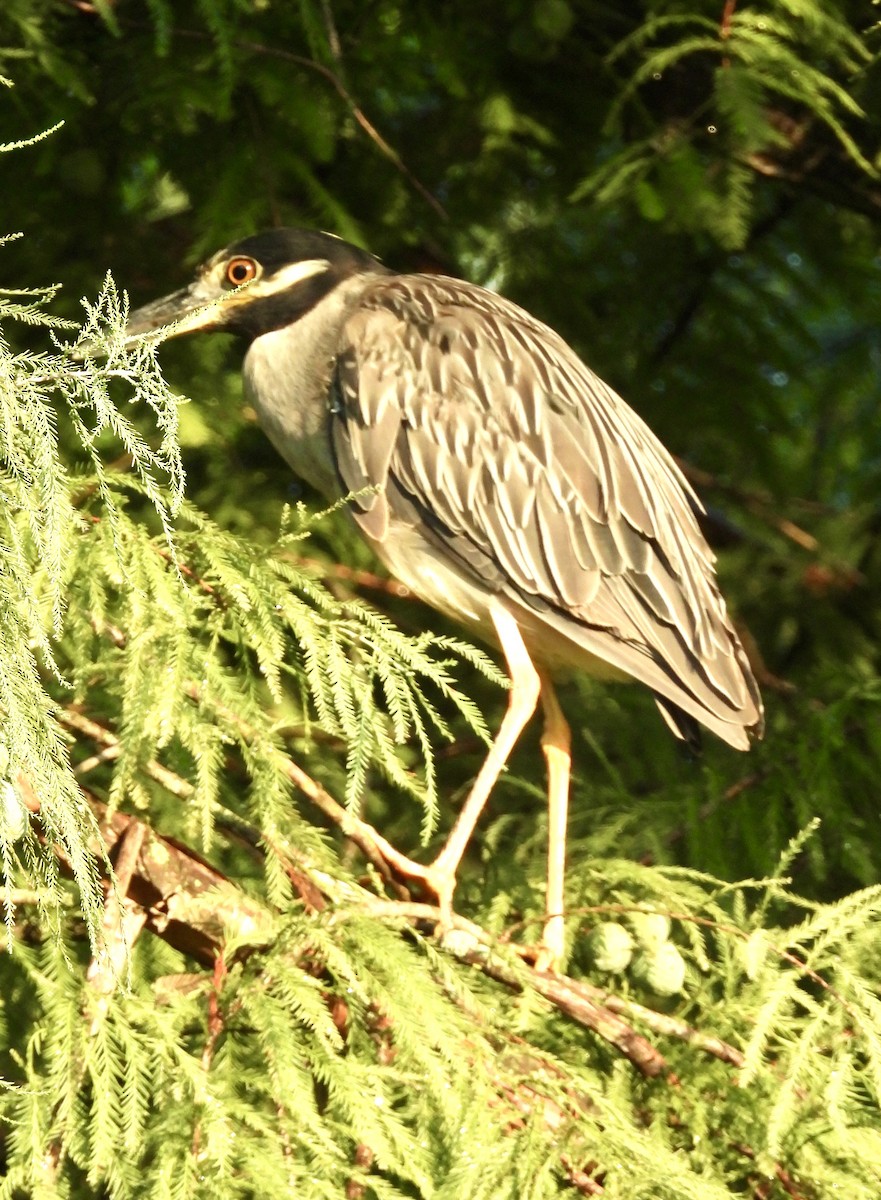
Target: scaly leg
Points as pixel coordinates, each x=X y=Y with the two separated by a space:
x=440 y=876
x=556 y=742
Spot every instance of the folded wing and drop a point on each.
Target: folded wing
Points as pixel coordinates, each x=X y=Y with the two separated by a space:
x=473 y=420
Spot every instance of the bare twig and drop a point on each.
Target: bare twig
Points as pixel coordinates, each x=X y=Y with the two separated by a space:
x=759 y=505
x=590 y=1006
x=79 y=723
x=783 y=1177
x=108 y=754
x=672 y=1027
x=727 y=14
x=529 y=1100
x=580 y=1179
x=576 y=1001
x=353 y=575
x=214 y=1029
x=333 y=37
x=357 y=112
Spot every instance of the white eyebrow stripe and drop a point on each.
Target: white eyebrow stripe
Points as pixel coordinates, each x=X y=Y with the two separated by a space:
x=287 y=277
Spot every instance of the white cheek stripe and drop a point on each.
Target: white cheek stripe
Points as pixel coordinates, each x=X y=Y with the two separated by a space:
x=286 y=278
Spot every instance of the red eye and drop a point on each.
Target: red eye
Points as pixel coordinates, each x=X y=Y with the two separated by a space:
x=241 y=270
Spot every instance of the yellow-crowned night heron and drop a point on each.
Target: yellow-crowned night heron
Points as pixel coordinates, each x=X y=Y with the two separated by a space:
x=496 y=476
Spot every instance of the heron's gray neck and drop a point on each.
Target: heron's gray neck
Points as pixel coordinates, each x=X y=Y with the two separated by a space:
x=287 y=375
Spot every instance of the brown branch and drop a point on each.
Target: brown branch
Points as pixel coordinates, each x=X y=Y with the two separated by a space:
x=568 y=995
x=363 y=1160
x=783 y=1177
x=108 y=754
x=669 y=1026
x=128 y=849
x=705 y=268
x=189 y=904
x=725 y=23
x=206 y=587
x=214 y=1029
x=294 y=865
x=194 y=907
x=73 y=719
x=357 y=112
x=580 y=1179
x=823 y=168
x=333 y=37
x=376 y=849
x=529 y=1100
x=576 y=1001
x=186 y=901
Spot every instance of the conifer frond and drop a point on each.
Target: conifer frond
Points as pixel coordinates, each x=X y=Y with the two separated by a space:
x=5 y=147
x=794 y=56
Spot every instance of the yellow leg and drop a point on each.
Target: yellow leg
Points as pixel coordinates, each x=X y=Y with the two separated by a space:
x=526 y=686
x=556 y=743
x=440 y=876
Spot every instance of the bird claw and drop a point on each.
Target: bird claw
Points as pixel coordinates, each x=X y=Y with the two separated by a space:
x=551 y=949
x=439 y=882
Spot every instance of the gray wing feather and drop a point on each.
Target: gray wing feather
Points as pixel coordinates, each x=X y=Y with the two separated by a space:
x=479 y=423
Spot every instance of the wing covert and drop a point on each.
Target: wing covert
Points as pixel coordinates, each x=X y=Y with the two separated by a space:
x=474 y=420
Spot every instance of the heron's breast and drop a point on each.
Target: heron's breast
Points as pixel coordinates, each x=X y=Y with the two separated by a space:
x=287 y=375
